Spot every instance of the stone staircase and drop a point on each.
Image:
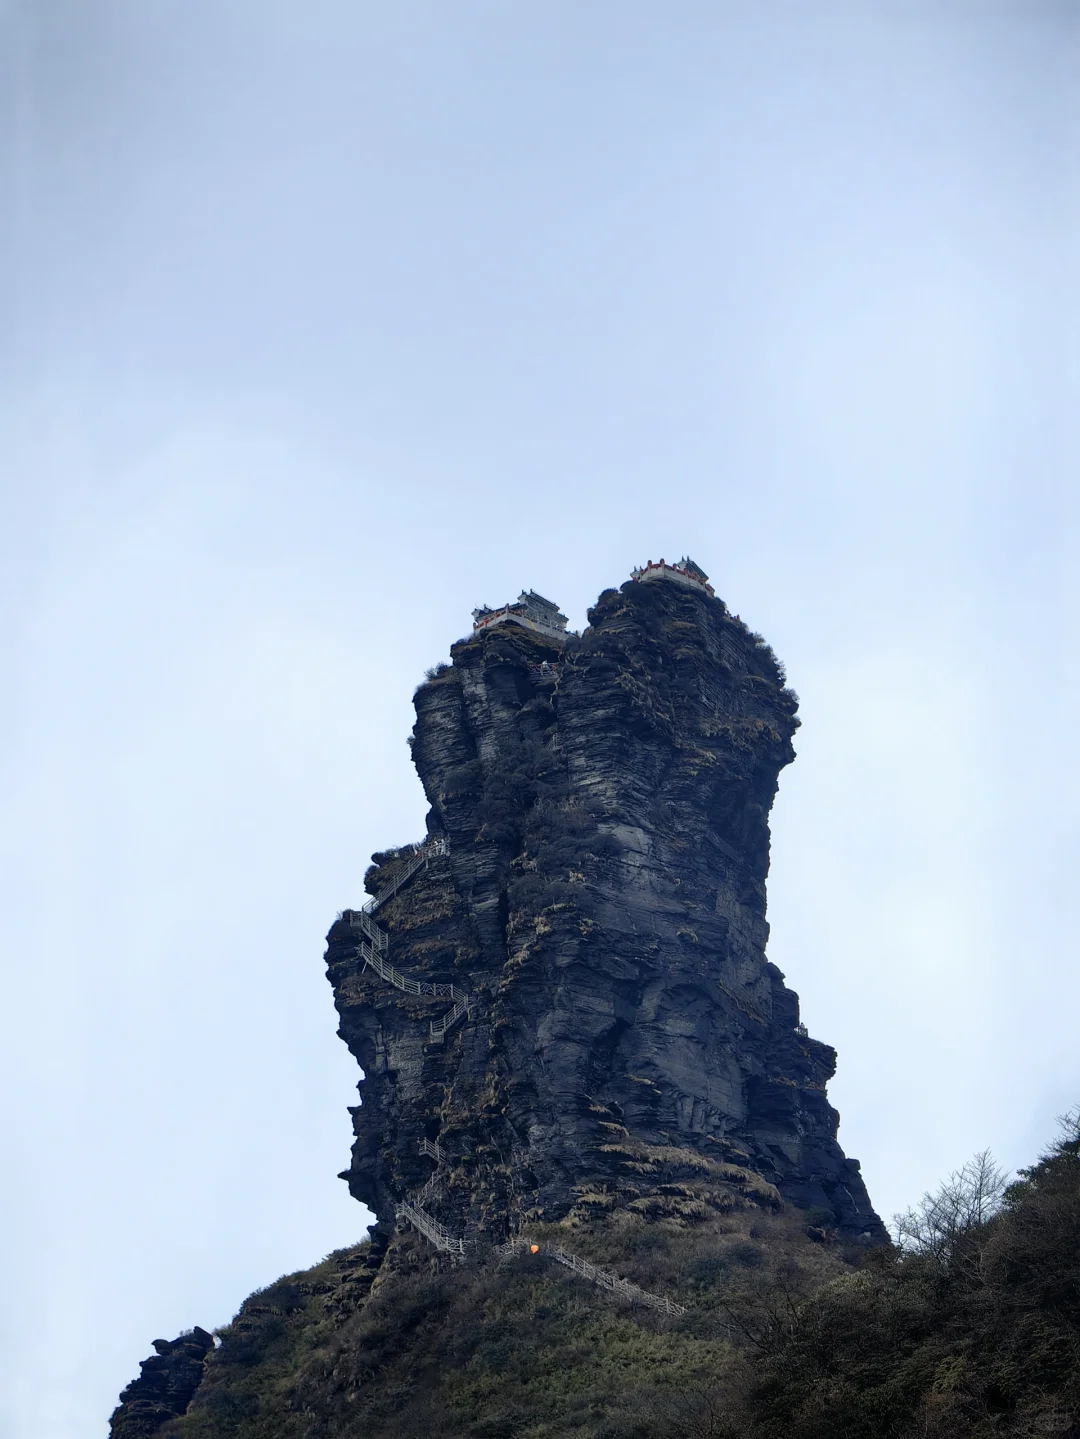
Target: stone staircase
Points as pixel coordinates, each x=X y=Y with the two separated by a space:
x=375 y=942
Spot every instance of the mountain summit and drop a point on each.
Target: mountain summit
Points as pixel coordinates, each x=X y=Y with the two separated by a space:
x=593 y=1130
x=599 y=1026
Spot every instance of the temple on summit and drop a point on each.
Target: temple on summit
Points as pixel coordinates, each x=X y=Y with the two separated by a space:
x=532 y=611
x=684 y=572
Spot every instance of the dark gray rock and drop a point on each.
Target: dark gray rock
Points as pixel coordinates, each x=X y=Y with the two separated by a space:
x=165 y=1386
x=606 y=801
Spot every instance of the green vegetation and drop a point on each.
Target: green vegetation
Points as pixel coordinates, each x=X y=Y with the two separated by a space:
x=500 y=1348
x=969 y=1328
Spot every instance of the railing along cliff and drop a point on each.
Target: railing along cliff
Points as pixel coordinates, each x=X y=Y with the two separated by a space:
x=418 y=987
x=623 y=1287
x=431 y=850
x=441 y=1237
x=444 y=1240
x=451 y=1017
x=375 y=943
x=433 y=1149
x=603 y=1278
x=434 y=1232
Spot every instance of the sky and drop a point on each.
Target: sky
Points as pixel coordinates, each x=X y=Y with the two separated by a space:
x=321 y=325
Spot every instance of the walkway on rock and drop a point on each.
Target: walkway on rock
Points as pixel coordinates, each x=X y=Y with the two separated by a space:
x=603 y=1278
x=376 y=942
x=434 y=1232
x=441 y=1237
x=371 y=949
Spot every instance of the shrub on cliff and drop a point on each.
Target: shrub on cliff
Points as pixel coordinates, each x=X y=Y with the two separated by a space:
x=972 y=1330
x=780 y=1341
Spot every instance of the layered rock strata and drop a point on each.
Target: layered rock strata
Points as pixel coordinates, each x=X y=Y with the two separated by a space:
x=629 y=1064
x=629 y=1047
x=165 y=1386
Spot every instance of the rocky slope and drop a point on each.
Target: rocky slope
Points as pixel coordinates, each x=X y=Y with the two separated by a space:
x=630 y=1078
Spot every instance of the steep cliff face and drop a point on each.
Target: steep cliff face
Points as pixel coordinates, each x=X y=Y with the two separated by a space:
x=628 y=1046
x=570 y=1036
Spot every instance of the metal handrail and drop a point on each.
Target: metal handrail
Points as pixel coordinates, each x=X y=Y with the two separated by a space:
x=378 y=936
x=606 y=1280
x=418 y=987
x=451 y=1017
x=377 y=942
x=431 y=850
x=601 y=1277
x=434 y=1232
x=370 y=950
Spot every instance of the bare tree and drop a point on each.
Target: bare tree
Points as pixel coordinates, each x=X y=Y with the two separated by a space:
x=698 y=1414
x=967 y=1199
x=1069 y=1124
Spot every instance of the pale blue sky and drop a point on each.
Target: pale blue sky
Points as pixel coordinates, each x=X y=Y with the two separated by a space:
x=325 y=323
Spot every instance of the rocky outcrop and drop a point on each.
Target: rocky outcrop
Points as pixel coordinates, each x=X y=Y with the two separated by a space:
x=629 y=1046
x=629 y=1064
x=165 y=1386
